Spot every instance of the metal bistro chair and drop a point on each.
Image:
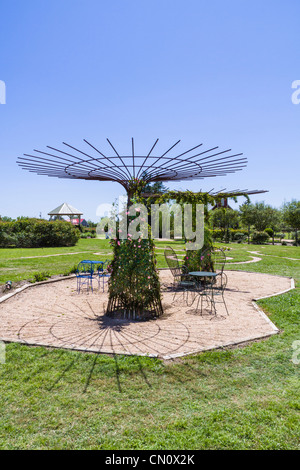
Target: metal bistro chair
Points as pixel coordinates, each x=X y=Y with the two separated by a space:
x=84 y=275
x=103 y=274
x=182 y=282
x=219 y=282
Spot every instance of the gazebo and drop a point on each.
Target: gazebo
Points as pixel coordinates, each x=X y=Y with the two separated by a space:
x=66 y=209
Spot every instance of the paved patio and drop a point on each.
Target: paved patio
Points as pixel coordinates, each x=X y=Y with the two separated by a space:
x=54 y=314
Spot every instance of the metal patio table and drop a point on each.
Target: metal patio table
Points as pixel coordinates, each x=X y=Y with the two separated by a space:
x=202 y=290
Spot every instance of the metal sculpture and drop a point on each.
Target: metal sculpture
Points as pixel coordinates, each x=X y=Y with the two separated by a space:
x=133 y=172
x=92 y=164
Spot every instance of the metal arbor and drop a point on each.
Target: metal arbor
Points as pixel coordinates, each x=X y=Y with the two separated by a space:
x=133 y=171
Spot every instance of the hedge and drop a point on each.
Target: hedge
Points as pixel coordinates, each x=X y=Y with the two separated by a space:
x=259 y=238
x=36 y=233
x=234 y=234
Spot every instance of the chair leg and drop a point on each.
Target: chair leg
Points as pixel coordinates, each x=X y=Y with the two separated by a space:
x=225 y=304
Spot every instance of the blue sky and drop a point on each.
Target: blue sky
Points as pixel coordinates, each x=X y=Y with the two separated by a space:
x=217 y=73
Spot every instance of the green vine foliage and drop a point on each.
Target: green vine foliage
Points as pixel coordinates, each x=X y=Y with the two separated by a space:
x=189 y=197
x=134 y=188
x=200 y=260
x=134 y=286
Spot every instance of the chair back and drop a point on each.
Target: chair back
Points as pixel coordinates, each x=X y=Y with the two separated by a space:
x=85 y=268
x=219 y=260
x=102 y=267
x=172 y=261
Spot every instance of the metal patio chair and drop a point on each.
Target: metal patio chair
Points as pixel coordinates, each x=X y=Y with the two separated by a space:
x=102 y=274
x=84 y=275
x=182 y=282
x=215 y=290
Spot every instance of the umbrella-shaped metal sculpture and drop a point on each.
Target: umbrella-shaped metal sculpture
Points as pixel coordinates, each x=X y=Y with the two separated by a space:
x=91 y=163
x=133 y=171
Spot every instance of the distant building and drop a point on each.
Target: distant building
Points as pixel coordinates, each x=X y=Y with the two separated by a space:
x=66 y=210
x=82 y=222
x=222 y=203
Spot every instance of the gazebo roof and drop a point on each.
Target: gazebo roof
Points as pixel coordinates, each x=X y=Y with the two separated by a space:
x=65 y=209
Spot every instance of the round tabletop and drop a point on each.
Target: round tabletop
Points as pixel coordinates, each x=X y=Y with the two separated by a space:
x=203 y=273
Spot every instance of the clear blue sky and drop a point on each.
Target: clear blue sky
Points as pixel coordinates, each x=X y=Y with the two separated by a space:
x=214 y=72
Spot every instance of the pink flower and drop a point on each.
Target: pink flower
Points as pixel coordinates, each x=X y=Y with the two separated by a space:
x=119 y=243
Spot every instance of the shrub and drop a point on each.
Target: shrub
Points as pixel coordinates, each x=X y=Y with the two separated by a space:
x=36 y=233
x=260 y=238
x=269 y=231
x=239 y=236
x=7 y=239
x=42 y=276
x=217 y=234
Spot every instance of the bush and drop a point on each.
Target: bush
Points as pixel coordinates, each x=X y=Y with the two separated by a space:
x=36 y=233
x=269 y=231
x=42 y=276
x=217 y=234
x=7 y=240
x=88 y=235
x=239 y=236
x=260 y=238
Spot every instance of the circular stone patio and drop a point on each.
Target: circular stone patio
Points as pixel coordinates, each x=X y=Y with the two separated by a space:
x=55 y=315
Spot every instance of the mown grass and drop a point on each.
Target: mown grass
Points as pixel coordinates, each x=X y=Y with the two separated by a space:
x=22 y=263
x=245 y=398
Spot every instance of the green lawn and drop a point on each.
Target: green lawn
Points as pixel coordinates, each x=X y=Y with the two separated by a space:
x=21 y=263
x=246 y=398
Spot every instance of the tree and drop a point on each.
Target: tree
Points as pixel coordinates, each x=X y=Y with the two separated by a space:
x=261 y=216
x=274 y=216
x=224 y=218
x=155 y=188
x=247 y=215
x=291 y=215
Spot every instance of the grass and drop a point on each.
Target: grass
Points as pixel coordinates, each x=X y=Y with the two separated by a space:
x=22 y=263
x=246 y=398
